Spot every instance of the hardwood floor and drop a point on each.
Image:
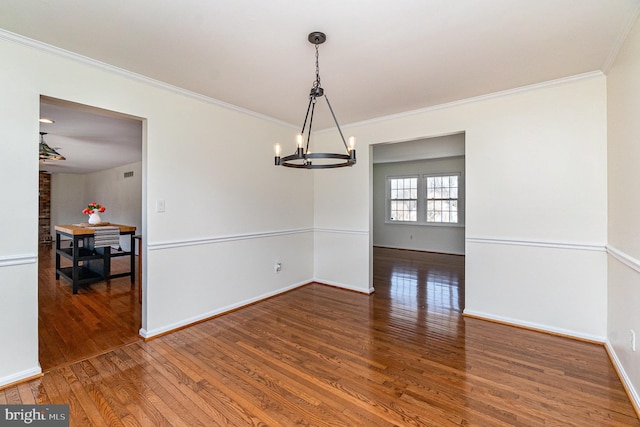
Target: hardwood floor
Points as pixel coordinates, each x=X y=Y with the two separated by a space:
x=323 y=356
x=100 y=317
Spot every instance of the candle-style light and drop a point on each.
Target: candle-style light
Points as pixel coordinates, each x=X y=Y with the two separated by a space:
x=303 y=157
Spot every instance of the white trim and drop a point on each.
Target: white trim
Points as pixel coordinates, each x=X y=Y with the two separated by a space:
x=536 y=86
x=627 y=260
x=231 y=238
x=536 y=243
x=16 y=38
x=536 y=326
x=406 y=248
x=368 y=291
x=8 y=261
x=633 y=393
x=204 y=316
x=19 y=376
x=425 y=224
x=152 y=246
x=341 y=231
x=622 y=37
x=388 y=199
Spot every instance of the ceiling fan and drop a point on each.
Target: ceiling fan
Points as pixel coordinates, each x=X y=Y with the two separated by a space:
x=46 y=152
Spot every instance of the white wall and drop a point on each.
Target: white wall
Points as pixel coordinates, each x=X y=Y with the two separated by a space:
x=420 y=149
x=67 y=199
x=342 y=240
x=434 y=238
x=121 y=196
x=535 y=186
x=70 y=194
x=229 y=215
x=623 y=87
x=542 y=150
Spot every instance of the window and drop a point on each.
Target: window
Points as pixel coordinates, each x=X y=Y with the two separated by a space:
x=425 y=199
x=403 y=199
x=442 y=198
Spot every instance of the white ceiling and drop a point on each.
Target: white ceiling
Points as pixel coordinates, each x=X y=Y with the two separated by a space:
x=380 y=58
x=91 y=139
x=420 y=149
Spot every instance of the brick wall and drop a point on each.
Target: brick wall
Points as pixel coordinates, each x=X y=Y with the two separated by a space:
x=44 y=216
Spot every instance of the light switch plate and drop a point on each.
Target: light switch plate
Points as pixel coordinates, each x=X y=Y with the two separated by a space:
x=160 y=205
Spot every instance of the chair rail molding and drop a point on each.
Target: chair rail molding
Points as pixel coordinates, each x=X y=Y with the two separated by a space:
x=627 y=260
x=7 y=261
x=538 y=243
x=152 y=246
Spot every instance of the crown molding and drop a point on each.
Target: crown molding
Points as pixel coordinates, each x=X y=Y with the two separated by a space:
x=25 y=41
x=35 y=44
x=493 y=95
x=622 y=37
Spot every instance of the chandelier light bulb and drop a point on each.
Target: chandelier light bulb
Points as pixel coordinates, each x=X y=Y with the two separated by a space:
x=303 y=157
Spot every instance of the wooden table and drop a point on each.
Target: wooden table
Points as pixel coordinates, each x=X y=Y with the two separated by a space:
x=90 y=264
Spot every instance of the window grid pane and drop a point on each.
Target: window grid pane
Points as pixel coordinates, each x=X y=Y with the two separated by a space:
x=403 y=199
x=442 y=199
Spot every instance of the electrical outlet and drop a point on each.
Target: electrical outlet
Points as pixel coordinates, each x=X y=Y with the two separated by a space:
x=277 y=267
x=633 y=340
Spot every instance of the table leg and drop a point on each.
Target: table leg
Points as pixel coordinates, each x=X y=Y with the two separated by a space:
x=140 y=270
x=75 y=271
x=133 y=259
x=57 y=255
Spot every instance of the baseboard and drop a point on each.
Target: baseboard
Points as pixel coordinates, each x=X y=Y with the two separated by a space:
x=624 y=378
x=345 y=288
x=20 y=377
x=365 y=291
x=535 y=327
x=429 y=251
x=176 y=326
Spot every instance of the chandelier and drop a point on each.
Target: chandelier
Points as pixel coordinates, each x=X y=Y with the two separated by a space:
x=46 y=152
x=303 y=158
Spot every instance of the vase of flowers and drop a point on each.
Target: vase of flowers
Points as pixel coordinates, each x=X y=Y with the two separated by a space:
x=94 y=210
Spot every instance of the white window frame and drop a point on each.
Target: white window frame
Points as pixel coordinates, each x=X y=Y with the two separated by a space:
x=421 y=216
x=425 y=188
x=389 y=200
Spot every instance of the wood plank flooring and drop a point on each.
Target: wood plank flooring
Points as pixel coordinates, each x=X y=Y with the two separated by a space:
x=101 y=316
x=327 y=357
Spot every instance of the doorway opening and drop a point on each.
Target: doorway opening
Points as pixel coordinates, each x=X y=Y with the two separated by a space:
x=103 y=164
x=418 y=228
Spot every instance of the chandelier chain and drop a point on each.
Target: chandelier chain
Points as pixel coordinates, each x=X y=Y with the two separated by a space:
x=303 y=157
x=316 y=84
